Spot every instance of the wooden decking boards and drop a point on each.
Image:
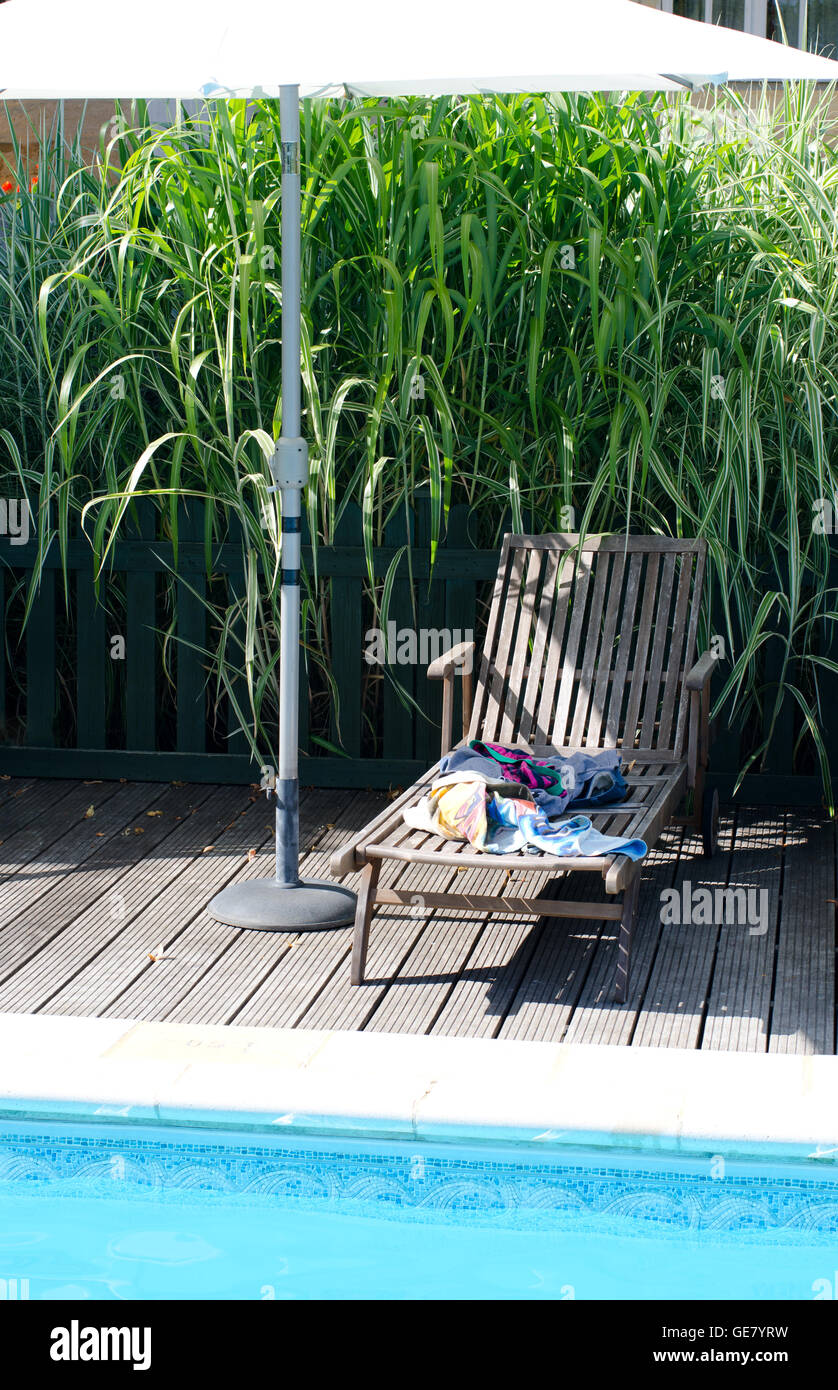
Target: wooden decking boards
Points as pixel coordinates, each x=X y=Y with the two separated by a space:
x=86 y=901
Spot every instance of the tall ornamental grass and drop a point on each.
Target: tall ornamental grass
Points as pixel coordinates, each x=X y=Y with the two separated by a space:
x=565 y=312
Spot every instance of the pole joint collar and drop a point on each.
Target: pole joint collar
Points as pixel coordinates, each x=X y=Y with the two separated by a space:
x=289 y=465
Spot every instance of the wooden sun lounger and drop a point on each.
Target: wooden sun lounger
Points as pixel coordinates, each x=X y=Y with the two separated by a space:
x=586 y=647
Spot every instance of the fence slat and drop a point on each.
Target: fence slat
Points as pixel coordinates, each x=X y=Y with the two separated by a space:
x=430 y=615
x=191 y=640
x=141 y=643
x=91 y=655
x=304 y=742
x=346 y=619
x=40 y=666
x=398 y=719
x=460 y=604
x=3 y=731
x=236 y=741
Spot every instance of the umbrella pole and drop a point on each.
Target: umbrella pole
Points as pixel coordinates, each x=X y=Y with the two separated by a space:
x=286 y=902
x=290 y=470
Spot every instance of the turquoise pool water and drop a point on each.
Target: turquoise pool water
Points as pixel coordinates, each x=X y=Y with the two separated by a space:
x=99 y=1212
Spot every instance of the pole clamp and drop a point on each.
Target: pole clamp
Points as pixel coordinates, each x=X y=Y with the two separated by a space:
x=289 y=465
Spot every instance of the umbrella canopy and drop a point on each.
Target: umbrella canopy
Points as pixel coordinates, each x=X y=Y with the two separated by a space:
x=192 y=48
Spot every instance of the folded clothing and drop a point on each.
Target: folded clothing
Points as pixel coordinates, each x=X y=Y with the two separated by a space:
x=468 y=809
x=554 y=783
x=594 y=778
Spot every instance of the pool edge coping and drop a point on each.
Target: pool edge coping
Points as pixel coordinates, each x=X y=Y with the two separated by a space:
x=419 y=1087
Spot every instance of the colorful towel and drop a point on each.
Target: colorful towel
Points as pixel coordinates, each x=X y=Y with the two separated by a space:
x=498 y=824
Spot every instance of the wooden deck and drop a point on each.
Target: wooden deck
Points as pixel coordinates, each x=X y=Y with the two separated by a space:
x=86 y=901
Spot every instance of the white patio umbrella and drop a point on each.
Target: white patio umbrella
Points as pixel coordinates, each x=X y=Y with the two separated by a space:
x=265 y=48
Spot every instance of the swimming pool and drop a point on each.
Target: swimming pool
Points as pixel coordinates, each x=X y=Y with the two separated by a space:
x=101 y=1211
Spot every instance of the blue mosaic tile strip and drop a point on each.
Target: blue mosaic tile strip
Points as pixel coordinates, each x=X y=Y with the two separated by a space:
x=421 y=1187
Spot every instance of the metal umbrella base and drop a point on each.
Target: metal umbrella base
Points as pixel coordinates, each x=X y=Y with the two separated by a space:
x=263 y=904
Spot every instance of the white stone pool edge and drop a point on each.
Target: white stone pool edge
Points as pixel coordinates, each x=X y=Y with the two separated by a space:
x=422 y=1088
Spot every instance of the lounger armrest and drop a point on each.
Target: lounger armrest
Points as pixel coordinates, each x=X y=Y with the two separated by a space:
x=700 y=674
x=459 y=658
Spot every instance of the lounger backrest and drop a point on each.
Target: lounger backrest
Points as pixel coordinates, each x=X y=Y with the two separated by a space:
x=587 y=647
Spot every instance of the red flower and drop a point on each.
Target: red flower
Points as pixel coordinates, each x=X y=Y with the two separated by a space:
x=9 y=187
x=32 y=182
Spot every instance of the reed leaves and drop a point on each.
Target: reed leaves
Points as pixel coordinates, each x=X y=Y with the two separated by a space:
x=621 y=307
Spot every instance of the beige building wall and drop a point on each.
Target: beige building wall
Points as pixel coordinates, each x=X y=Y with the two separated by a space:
x=19 y=118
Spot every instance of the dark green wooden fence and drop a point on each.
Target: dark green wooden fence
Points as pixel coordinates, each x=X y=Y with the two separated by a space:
x=60 y=722
x=35 y=739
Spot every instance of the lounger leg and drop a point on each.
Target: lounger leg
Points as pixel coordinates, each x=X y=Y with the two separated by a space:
x=630 y=897
x=363 y=914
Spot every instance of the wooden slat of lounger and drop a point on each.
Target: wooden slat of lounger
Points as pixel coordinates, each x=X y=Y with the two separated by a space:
x=672 y=1013
x=539 y=646
x=591 y=656
x=492 y=678
x=597 y=1019
x=564 y=540
x=604 y=673
x=455 y=850
x=659 y=801
x=568 y=676
x=674 y=671
x=563 y=591
x=512 y=704
x=613 y=722
x=740 y=997
x=648 y=611
x=484 y=670
x=79 y=959
x=630 y=755
x=689 y=648
x=137 y=987
x=649 y=716
x=803 y=1017
x=583 y=691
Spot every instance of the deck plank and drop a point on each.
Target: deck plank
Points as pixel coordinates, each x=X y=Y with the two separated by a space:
x=556 y=971
x=672 y=1012
x=596 y=1018
x=739 y=1002
x=803 y=1017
